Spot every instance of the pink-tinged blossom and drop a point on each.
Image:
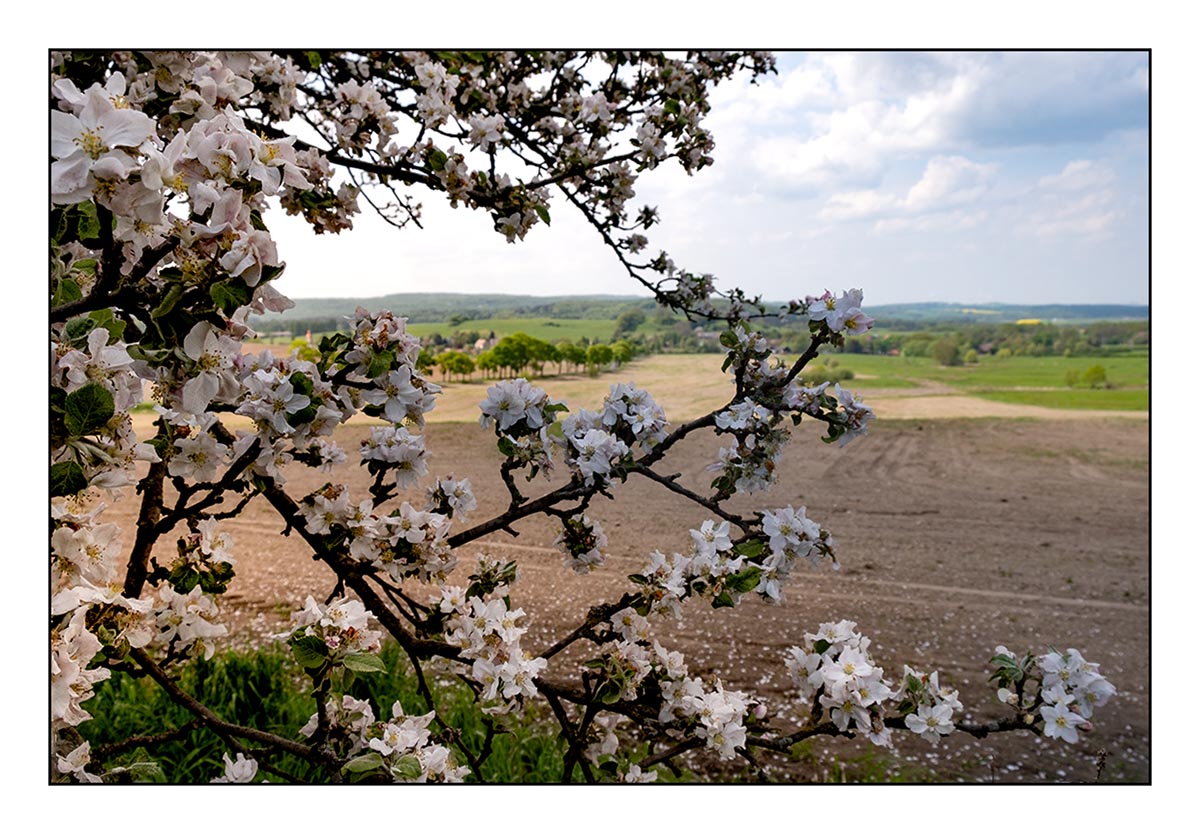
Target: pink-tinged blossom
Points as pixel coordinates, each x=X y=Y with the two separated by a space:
x=96 y=144
x=76 y=762
x=241 y=771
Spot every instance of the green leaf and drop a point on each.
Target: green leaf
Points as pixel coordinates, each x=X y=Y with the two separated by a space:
x=301 y=384
x=381 y=363
x=59 y=222
x=543 y=213
x=506 y=447
x=362 y=662
x=88 y=409
x=609 y=693
x=364 y=763
x=78 y=328
x=723 y=600
x=304 y=415
x=333 y=342
x=174 y=293
x=88 y=223
x=671 y=106
x=310 y=652
x=66 y=478
x=228 y=296
x=146 y=772
x=314 y=59
x=744 y=580
x=409 y=767
x=821 y=646
x=437 y=160
x=215 y=580
x=750 y=547
x=68 y=290
x=340 y=678
x=184 y=578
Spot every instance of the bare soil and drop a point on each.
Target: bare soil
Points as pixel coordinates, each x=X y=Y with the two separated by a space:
x=955 y=535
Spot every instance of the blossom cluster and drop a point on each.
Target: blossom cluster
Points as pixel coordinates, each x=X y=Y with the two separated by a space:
x=928 y=704
x=400 y=451
x=343 y=627
x=487 y=632
x=591 y=453
x=582 y=539
x=89 y=609
x=749 y=465
x=92 y=437
x=716 y=714
x=384 y=352
x=399 y=750
x=451 y=498
x=635 y=663
x=521 y=414
x=840 y=315
x=835 y=671
x=1070 y=691
x=406 y=542
x=717 y=569
x=633 y=416
x=1070 y=680
x=791 y=536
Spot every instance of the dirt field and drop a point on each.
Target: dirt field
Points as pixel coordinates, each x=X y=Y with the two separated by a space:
x=954 y=535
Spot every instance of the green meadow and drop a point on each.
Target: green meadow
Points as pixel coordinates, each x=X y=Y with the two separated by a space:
x=1029 y=380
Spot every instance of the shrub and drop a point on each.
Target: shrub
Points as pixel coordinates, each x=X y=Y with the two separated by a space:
x=945 y=352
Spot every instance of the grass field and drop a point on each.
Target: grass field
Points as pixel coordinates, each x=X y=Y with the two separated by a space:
x=1029 y=380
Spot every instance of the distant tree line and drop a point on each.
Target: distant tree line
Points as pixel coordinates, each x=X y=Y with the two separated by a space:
x=967 y=343
x=523 y=355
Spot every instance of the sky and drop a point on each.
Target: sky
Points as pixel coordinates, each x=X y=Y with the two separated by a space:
x=970 y=177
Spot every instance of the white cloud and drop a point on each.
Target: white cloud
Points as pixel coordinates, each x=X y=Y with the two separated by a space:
x=859 y=205
x=950 y=181
x=1077 y=175
x=942 y=221
x=864 y=112
x=1090 y=215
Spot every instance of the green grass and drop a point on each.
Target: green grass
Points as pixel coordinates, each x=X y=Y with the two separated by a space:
x=1015 y=379
x=1039 y=371
x=1100 y=399
x=879 y=371
x=872 y=766
x=267 y=690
